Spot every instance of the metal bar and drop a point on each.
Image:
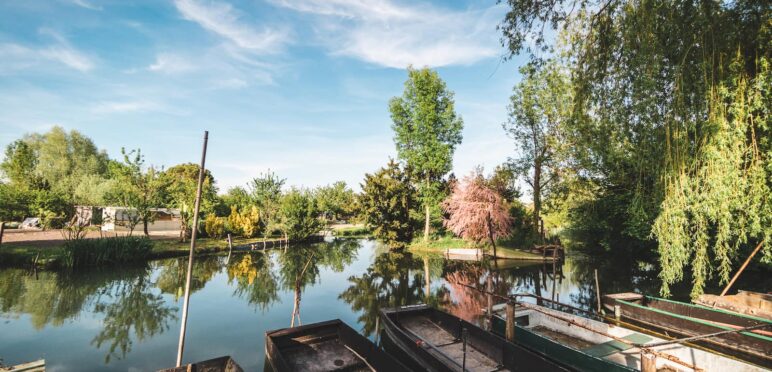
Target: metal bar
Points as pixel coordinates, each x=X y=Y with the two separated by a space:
x=186 y=301
x=742 y=268
x=680 y=340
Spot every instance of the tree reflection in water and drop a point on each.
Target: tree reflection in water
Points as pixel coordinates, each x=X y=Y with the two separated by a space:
x=173 y=273
x=255 y=280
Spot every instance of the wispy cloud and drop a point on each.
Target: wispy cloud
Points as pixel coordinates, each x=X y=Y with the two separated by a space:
x=171 y=64
x=17 y=56
x=225 y=21
x=125 y=107
x=86 y=4
x=396 y=35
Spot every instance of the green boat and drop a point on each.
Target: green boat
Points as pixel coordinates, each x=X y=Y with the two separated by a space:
x=680 y=319
x=588 y=345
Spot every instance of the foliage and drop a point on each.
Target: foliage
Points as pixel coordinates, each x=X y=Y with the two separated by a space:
x=14 y=203
x=181 y=182
x=245 y=223
x=265 y=191
x=336 y=201
x=214 y=226
x=138 y=189
x=106 y=251
x=670 y=123
x=237 y=197
x=426 y=133
x=387 y=198
x=299 y=215
x=19 y=165
x=539 y=109
x=477 y=212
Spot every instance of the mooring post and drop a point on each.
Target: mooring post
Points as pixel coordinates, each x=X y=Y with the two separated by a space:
x=464 y=336
x=2 y=229
x=617 y=312
x=230 y=248
x=489 y=298
x=510 y=332
x=597 y=289
x=648 y=362
x=186 y=301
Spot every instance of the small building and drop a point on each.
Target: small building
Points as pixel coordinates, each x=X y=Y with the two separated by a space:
x=118 y=218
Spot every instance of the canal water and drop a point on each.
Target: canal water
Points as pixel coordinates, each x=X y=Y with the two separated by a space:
x=128 y=318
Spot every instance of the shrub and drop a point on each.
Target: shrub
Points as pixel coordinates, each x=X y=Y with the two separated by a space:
x=214 y=226
x=246 y=223
x=106 y=251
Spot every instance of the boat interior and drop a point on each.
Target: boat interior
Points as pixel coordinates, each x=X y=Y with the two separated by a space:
x=441 y=335
x=319 y=349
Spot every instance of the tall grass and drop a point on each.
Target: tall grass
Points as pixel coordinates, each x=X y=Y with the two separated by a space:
x=106 y=251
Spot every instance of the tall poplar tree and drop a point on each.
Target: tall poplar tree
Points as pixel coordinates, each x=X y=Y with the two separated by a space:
x=426 y=132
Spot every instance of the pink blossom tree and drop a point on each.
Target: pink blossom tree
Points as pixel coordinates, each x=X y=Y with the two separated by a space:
x=477 y=212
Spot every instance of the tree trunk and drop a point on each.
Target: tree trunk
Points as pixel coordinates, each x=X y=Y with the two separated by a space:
x=427 y=278
x=144 y=222
x=426 y=224
x=536 y=193
x=490 y=235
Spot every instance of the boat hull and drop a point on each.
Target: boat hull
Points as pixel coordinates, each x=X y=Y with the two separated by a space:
x=678 y=319
x=425 y=357
x=325 y=346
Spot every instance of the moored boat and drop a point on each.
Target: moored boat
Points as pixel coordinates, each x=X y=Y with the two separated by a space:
x=221 y=364
x=433 y=340
x=679 y=319
x=591 y=345
x=744 y=302
x=325 y=346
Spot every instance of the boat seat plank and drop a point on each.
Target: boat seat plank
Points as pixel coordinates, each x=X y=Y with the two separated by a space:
x=329 y=355
x=614 y=346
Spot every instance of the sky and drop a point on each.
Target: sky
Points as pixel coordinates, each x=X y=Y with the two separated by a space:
x=300 y=87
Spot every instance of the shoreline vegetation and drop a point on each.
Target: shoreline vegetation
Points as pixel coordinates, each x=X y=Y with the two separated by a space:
x=503 y=249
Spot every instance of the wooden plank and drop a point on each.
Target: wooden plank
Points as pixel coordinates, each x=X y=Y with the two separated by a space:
x=36 y=366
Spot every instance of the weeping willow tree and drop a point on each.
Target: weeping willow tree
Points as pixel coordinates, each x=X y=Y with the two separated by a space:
x=670 y=121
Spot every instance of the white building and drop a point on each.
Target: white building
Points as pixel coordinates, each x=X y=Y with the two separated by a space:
x=118 y=218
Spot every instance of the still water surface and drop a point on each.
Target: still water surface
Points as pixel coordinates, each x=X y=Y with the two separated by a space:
x=128 y=318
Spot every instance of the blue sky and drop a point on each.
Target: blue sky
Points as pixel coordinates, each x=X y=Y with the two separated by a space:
x=297 y=86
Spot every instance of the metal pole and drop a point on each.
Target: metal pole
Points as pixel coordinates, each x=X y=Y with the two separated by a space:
x=464 y=337
x=742 y=268
x=186 y=301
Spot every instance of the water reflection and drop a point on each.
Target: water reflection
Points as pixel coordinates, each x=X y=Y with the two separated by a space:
x=120 y=310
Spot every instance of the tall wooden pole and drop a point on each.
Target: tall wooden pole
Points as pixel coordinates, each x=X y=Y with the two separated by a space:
x=186 y=301
x=597 y=289
x=742 y=268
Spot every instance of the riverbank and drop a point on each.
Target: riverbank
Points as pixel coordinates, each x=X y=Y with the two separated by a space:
x=50 y=255
x=441 y=245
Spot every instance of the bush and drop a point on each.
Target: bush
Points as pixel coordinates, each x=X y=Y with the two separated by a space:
x=214 y=226
x=246 y=223
x=106 y=251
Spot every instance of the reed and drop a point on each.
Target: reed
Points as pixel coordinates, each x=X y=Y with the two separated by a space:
x=106 y=251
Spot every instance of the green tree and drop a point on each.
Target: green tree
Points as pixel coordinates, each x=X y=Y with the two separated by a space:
x=538 y=112
x=139 y=189
x=386 y=201
x=426 y=133
x=266 y=193
x=336 y=200
x=181 y=182
x=671 y=122
x=299 y=215
x=19 y=165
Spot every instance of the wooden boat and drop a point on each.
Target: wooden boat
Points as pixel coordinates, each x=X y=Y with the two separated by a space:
x=591 y=345
x=36 y=366
x=432 y=340
x=221 y=364
x=744 y=302
x=679 y=319
x=325 y=346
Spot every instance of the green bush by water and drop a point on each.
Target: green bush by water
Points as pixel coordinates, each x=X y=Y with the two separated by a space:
x=106 y=251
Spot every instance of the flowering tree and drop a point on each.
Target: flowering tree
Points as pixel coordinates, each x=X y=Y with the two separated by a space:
x=477 y=212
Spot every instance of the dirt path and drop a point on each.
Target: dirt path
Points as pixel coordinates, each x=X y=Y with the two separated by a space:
x=39 y=238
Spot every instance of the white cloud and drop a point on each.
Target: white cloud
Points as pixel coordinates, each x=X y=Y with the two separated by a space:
x=86 y=4
x=225 y=21
x=396 y=35
x=16 y=56
x=124 y=107
x=171 y=64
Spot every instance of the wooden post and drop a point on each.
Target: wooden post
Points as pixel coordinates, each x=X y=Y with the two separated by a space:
x=186 y=301
x=742 y=268
x=617 y=312
x=230 y=248
x=648 y=362
x=597 y=289
x=489 y=298
x=510 y=332
x=2 y=229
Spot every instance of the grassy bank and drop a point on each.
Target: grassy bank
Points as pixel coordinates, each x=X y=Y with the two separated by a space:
x=351 y=232
x=439 y=246
x=21 y=254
